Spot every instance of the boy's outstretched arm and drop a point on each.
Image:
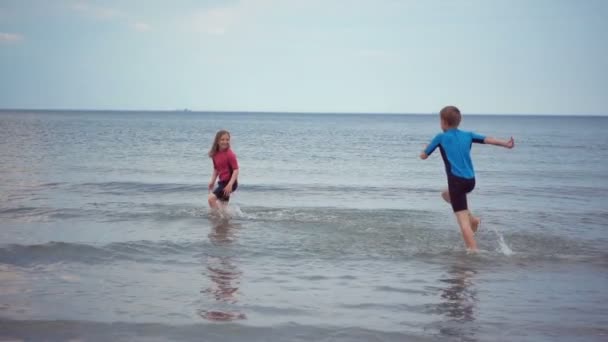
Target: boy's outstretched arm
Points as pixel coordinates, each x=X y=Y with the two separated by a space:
x=423 y=154
x=498 y=142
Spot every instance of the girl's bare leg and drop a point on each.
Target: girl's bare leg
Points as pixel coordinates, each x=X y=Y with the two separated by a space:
x=223 y=205
x=212 y=201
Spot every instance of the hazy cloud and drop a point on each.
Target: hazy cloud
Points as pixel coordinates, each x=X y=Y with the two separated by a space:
x=108 y=13
x=141 y=27
x=10 y=37
x=224 y=19
x=214 y=21
x=98 y=12
x=378 y=54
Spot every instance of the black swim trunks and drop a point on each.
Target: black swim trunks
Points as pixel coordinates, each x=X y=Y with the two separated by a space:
x=219 y=190
x=459 y=188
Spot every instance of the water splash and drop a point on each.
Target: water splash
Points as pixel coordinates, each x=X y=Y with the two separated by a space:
x=231 y=211
x=502 y=245
x=235 y=211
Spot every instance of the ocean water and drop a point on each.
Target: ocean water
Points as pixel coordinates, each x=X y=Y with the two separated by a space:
x=337 y=231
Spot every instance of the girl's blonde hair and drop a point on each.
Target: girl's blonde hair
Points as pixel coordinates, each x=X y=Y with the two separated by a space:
x=216 y=143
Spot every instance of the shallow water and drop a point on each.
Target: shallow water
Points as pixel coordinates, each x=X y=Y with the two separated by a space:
x=337 y=231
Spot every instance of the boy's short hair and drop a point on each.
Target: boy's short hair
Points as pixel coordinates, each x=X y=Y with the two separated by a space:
x=451 y=116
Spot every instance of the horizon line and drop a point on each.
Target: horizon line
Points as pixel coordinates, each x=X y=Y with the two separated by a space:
x=187 y=110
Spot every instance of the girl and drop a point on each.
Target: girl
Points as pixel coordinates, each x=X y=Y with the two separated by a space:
x=225 y=167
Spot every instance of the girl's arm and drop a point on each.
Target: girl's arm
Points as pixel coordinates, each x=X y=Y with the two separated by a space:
x=498 y=142
x=235 y=175
x=228 y=188
x=213 y=178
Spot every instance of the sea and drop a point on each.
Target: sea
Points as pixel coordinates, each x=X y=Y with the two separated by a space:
x=337 y=231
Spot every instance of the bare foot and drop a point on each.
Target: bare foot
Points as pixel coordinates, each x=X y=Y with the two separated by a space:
x=475 y=221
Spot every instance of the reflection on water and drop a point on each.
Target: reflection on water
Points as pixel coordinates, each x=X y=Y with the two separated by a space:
x=458 y=302
x=223 y=273
x=459 y=294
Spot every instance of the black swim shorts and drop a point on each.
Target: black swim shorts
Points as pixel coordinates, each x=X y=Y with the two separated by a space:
x=219 y=190
x=459 y=188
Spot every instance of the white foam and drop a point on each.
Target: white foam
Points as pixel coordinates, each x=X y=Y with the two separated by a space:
x=502 y=245
x=231 y=211
x=235 y=211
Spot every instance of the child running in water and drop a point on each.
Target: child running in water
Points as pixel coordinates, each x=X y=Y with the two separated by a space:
x=226 y=167
x=455 y=147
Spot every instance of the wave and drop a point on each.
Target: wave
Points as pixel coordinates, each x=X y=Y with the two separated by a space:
x=428 y=246
x=117 y=188
x=198 y=191
x=127 y=331
x=111 y=211
x=129 y=211
x=43 y=213
x=106 y=212
x=137 y=251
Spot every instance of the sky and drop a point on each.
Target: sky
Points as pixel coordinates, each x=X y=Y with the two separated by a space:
x=355 y=56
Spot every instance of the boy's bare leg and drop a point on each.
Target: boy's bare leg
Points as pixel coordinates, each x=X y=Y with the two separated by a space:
x=475 y=221
x=445 y=194
x=464 y=221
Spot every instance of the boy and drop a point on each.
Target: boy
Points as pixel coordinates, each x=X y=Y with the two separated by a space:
x=455 y=147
